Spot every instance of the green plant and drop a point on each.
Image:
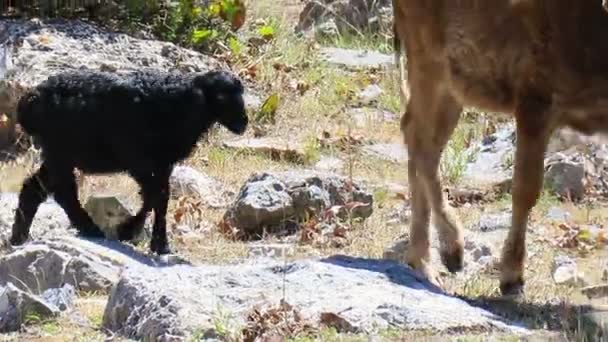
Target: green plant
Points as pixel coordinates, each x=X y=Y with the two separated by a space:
x=312 y=150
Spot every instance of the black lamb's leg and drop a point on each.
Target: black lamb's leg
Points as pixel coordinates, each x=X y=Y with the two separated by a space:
x=34 y=191
x=160 y=242
x=66 y=195
x=128 y=229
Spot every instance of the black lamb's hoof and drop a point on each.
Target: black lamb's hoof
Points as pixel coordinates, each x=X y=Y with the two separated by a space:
x=18 y=239
x=91 y=232
x=160 y=247
x=128 y=230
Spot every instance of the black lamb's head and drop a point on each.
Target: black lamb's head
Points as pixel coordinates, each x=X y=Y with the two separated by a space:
x=223 y=94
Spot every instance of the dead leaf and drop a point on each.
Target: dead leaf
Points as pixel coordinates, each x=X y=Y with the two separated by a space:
x=340 y=231
x=302 y=87
x=333 y=320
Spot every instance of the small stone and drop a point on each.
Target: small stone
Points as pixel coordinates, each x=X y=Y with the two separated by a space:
x=565 y=271
x=328 y=29
x=558 y=214
x=566 y=180
x=493 y=222
x=62 y=298
x=278 y=251
x=187 y=181
x=492 y=158
x=481 y=251
x=369 y=96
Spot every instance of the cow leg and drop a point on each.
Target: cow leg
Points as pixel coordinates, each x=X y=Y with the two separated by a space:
x=431 y=118
x=418 y=253
x=533 y=132
x=449 y=230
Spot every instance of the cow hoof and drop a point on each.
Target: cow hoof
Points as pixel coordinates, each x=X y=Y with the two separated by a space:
x=512 y=289
x=453 y=260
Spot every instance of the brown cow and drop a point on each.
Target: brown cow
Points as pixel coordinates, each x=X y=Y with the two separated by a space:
x=544 y=61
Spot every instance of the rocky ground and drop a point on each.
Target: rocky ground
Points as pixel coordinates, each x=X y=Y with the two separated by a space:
x=297 y=230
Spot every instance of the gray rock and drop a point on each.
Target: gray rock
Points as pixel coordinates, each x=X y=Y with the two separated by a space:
x=492 y=158
x=41 y=266
x=50 y=219
x=565 y=271
x=481 y=252
x=595 y=291
x=262 y=201
x=108 y=211
x=62 y=298
x=558 y=214
x=367 y=295
x=356 y=59
x=186 y=181
x=369 y=96
x=16 y=306
x=328 y=29
x=38 y=49
x=393 y=152
x=495 y=221
x=268 y=200
x=595 y=325
x=566 y=180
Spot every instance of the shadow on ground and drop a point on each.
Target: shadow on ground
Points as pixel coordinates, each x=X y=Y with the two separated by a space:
x=573 y=320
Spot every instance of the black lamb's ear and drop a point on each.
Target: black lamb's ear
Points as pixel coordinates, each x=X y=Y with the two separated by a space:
x=203 y=81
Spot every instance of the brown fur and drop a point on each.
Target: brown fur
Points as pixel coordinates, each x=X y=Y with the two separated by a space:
x=543 y=61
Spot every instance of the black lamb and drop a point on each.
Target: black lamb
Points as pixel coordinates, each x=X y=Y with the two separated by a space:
x=141 y=123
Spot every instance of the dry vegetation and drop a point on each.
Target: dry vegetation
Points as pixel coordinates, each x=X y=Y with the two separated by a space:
x=303 y=117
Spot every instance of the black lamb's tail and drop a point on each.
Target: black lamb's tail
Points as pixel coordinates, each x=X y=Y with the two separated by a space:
x=28 y=113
